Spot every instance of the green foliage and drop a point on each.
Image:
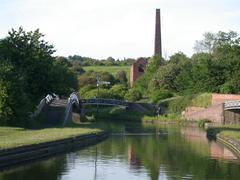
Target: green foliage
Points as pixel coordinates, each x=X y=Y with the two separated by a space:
x=167 y=117
x=17 y=137
x=179 y=104
x=133 y=95
x=92 y=93
x=176 y=104
x=118 y=91
x=29 y=72
x=121 y=77
x=156 y=96
x=115 y=92
x=213 y=43
x=111 y=69
x=90 y=78
x=214 y=69
x=201 y=100
x=13 y=100
x=86 y=61
x=202 y=123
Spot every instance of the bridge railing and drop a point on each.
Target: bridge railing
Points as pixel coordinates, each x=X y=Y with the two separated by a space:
x=43 y=102
x=73 y=98
x=104 y=101
x=231 y=105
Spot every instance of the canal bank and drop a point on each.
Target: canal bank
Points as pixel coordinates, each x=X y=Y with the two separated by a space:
x=143 y=152
x=22 y=154
x=227 y=135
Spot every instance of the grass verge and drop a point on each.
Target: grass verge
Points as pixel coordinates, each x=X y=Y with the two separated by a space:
x=111 y=69
x=120 y=114
x=16 y=137
x=230 y=131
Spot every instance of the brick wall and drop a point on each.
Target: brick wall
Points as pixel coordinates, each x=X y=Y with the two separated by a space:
x=213 y=113
x=137 y=69
x=221 y=98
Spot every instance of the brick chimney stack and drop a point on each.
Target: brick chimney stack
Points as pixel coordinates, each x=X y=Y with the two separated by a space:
x=158 y=38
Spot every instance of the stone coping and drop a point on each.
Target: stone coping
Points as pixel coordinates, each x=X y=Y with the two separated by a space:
x=231 y=143
x=23 y=154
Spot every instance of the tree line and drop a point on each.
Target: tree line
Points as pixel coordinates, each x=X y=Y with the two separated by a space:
x=110 y=61
x=214 y=68
x=28 y=72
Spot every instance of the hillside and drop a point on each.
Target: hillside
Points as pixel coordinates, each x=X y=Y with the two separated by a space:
x=111 y=69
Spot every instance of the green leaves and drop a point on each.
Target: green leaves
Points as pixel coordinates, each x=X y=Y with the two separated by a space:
x=28 y=73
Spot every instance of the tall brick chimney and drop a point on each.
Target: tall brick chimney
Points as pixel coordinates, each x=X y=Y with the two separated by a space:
x=158 y=38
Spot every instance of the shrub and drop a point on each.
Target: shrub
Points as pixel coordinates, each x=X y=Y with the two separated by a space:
x=118 y=91
x=156 y=96
x=133 y=95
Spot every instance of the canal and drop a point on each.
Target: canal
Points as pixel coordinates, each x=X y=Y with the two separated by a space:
x=138 y=152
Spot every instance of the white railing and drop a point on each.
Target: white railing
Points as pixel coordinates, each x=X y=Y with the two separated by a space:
x=232 y=105
x=73 y=98
x=42 y=103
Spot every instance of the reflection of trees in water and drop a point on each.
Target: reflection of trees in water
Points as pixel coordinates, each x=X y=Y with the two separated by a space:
x=172 y=154
x=178 y=154
x=46 y=169
x=200 y=144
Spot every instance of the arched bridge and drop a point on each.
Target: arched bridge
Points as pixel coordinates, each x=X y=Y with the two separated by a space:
x=231 y=105
x=104 y=102
x=64 y=108
x=231 y=113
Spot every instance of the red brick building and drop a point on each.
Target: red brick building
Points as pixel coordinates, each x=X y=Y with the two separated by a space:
x=137 y=69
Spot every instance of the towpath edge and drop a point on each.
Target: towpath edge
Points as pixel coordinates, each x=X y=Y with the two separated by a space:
x=14 y=156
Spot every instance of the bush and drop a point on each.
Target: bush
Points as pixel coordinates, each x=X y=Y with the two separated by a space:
x=103 y=93
x=156 y=96
x=14 y=104
x=133 y=95
x=118 y=91
x=179 y=104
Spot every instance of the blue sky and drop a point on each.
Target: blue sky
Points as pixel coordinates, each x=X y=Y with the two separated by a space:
x=119 y=28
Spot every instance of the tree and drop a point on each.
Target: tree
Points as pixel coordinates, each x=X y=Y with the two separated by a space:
x=207 y=44
x=14 y=104
x=178 y=58
x=31 y=57
x=211 y=42
x=121 y=77
x=118 y=91
x=28 y=73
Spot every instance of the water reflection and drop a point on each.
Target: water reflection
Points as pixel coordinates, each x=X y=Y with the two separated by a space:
x=181 y=153
x=197 y=137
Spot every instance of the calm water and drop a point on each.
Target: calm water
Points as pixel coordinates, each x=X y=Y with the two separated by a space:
x=141 y=153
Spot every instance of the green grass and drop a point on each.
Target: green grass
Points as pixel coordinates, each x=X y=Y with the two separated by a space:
x=231 y=134
x=202 y=100
x=164 y=118
x=120 y=114
x=16 y=137
x=179 y=103
x=111 y=69
x=231 y=131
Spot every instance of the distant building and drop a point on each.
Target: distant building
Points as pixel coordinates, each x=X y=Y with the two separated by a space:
x=138 y=67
